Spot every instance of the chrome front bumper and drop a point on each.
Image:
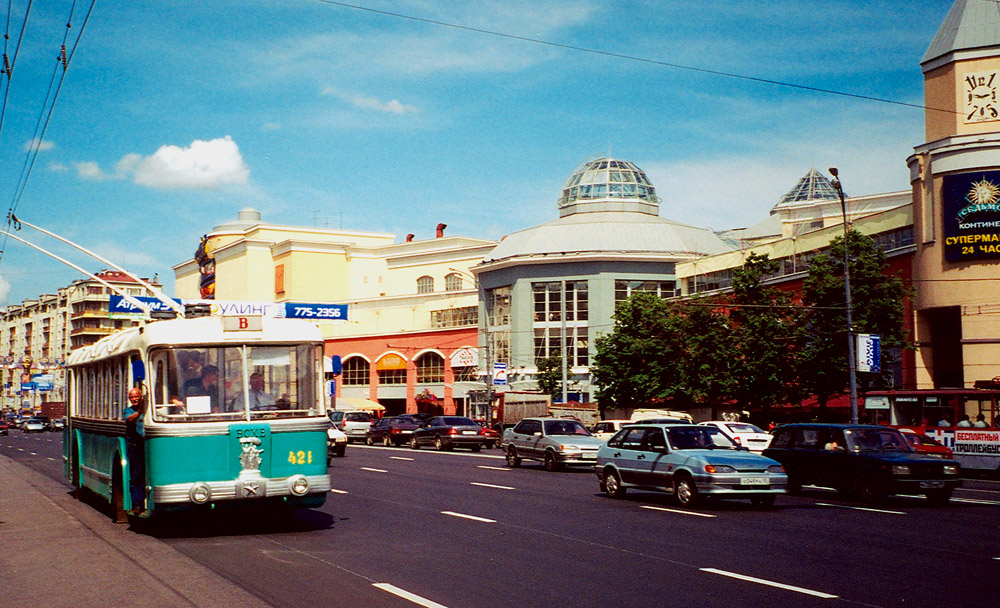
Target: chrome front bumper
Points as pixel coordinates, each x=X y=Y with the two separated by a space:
x=242 y=488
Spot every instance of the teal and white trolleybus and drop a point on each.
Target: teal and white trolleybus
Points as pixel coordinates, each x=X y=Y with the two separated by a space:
x=234 y=415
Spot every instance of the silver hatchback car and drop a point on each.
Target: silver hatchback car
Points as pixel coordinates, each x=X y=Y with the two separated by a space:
x=688 y=461
x=556 y=442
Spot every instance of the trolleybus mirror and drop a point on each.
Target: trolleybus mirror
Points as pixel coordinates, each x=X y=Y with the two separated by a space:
x=138 y=370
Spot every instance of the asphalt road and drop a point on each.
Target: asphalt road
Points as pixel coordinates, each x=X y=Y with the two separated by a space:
x=405 y=528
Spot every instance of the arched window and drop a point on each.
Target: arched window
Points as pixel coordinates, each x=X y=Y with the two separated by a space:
x=425 y=284
x=356 y=371
x=430 y=368
x=453 y=282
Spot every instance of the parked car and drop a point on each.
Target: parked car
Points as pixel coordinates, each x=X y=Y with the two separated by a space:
x=606 y=429
x=556 y=442
x=391 y=430
x=927 y=446
x=449 y=432
x=863 y=461
x=743 y=433
x=336 y=443
x=56 y=424
x=33 y=425
x=688 y=461
x=354 y=424
x=4 y=427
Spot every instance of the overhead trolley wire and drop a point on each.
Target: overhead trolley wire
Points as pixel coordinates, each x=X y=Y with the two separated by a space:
x=41 y=126
x=8 y=61
x=667 y=64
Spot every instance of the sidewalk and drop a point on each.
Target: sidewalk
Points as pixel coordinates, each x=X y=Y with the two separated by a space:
x=56 y=551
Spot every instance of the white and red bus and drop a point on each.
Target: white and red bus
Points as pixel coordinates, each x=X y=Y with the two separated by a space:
x=965 y=420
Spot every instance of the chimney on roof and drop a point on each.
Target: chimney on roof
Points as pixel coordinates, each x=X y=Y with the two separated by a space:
x=409 y=238
x=440 y=230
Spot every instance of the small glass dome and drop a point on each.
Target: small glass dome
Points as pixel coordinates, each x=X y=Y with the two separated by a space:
x=607 y=179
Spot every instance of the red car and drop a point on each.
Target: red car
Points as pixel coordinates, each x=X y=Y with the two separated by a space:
x=492 y=436
x=926 y=445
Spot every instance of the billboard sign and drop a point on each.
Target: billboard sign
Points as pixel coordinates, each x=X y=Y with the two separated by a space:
x=971 y=206
x=869 y=349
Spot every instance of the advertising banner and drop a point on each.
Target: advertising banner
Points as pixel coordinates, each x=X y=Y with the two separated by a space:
x=970 y=203
x=976 y=443
x=869 y=352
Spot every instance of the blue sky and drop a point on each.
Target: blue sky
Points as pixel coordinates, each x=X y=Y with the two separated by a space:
x=174 y=115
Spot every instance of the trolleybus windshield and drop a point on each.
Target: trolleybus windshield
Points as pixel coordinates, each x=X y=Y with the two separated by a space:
x=236 y=382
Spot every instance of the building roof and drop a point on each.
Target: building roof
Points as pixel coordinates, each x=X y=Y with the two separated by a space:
x=608 y=207
x=970 y=25
x=812 y=187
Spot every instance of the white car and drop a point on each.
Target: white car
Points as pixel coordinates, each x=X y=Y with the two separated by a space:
x=605 y=429
x=743 y=433
x=336 y=443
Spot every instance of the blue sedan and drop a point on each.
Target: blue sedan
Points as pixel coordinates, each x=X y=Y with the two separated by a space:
x=688 y=461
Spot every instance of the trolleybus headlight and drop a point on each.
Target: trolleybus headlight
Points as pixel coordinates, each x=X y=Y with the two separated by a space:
x=950 y=469
x=200 y=493
x=298 y=485
x=900 y=469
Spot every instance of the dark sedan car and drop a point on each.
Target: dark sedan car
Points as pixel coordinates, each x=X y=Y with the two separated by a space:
x=391 y=430
x=448 y=432
x=869 y=462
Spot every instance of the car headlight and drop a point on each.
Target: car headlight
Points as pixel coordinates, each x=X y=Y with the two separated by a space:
x=569 y=448
x=776 y=468
x=711 y=468
x=951 y=469
x=900 y=469
x=330 y=434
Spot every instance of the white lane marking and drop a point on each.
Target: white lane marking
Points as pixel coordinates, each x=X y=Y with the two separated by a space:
x=406 y=595
x=490 y=485
x=975 y=501
x=652 y=508
x=400 y=458
x=977 y=490
x=338 y=491
x=52 y=459
x=824 y=504
x=472 y=517
x=374 y=470
x=762 y=581
x=493 y=468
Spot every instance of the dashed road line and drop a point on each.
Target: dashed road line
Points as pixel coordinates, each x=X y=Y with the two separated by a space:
x=374 y=470
x=679 y=511
x=826 y=504
x=339 y=491
x=416 y=599
x=400 y=458
x=480 y=466
x=472 y=517
x=762 y=581
x=490 y=485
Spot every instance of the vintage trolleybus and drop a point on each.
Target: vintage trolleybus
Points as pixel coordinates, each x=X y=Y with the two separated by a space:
x=234 y=414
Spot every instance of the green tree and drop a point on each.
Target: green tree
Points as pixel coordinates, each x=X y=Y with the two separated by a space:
x=636 y=364
x=765 y=337
x=877 y=307
x=549 y=376
x=706 y=364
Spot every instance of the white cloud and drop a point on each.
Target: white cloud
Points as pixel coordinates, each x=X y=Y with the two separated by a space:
x=202 y=165
x=42 y=145
x=270 y=126
x=4 y=289
x=58 y=167
x=363 y=102
x=90 y=170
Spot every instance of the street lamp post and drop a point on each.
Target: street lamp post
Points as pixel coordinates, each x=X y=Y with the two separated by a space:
x=851 y=362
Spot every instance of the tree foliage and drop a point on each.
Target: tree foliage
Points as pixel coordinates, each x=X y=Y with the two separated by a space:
x=550 y=376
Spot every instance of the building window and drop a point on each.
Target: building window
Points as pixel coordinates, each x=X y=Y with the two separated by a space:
x=465 y=316
x=430 y=368
x=625 y=289
x=453 y=282
x=498 y=306
x=425 y=284
x=548 y=301
x=466 y=374
x=279 y=279
x=356 y=371
x=547 y=344
x=392 y=376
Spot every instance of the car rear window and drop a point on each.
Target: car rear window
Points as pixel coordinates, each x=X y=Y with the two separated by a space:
x=358 y=417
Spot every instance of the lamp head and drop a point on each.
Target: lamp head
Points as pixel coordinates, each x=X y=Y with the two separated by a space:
x=833 y=171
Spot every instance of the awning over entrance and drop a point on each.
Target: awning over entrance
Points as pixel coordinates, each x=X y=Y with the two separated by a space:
x=357 y=403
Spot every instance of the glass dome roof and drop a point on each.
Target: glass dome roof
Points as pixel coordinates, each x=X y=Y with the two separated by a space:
x=607 y=180
x=814 y=186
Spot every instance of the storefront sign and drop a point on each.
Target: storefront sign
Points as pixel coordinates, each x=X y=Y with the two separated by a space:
x=390 y=361
x=465 y=357
x=971 y=207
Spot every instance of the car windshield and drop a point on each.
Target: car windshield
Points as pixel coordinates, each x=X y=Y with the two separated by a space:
x=458 y=421
x=699 y=438
x=565 y=427
x=877 y=439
